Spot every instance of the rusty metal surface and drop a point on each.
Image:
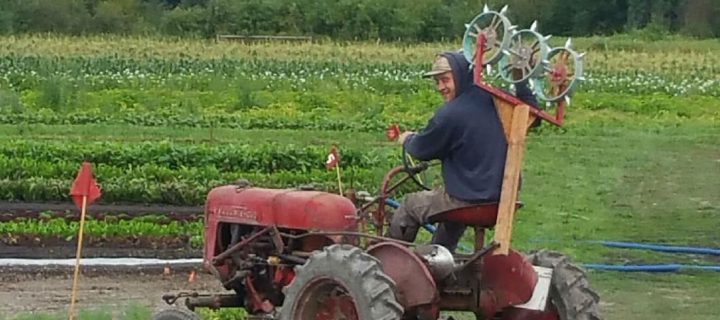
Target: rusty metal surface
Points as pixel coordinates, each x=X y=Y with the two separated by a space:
x=217 y=260
x=511 y=278
x=285 y=208
x=195 y=300
x=481 y=215
x=412 y=278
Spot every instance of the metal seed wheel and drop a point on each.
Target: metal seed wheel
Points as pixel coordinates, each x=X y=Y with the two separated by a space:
x=562 y=74
x=496 y=28
x=525 y=55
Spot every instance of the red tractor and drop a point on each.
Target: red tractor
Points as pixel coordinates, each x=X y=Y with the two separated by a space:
x=304 y=254
x=301 y=255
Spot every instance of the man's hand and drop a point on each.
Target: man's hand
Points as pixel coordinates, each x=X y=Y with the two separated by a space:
x=404 y=136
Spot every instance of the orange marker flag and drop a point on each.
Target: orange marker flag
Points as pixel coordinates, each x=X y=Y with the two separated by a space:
x=333 y=161
x=393 y=132
x=85 y=186
x=84 y=191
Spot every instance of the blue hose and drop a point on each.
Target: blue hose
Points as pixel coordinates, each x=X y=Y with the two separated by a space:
x=661 y=248
x=634 y=268
x=395 y=204
x=650 y=268
x=625 y=245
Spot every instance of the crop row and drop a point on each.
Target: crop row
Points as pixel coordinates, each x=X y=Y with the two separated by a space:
x=22 y=73
x=176 y=173
x=181 y=190
x=136 y=227
x=613 y=53
x=261 y=157
x=373 y=118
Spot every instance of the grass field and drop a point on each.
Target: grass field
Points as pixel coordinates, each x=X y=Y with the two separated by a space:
x=638 y=160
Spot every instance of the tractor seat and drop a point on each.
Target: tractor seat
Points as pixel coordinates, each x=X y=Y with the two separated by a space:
x=482 y=215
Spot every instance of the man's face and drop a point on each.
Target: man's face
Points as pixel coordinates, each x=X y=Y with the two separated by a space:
x=446 y=85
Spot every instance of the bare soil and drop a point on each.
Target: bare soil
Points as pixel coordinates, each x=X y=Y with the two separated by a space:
x=30 y=246
x=13 y=210
x=47 y=290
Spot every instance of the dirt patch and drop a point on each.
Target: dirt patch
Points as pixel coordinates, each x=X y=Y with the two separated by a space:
x=30 y=246
x=149 y=242
x=67 y=252
x=15 y=210
x=48 y=289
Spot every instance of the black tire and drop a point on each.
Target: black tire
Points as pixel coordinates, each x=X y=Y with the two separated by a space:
x=176 y=314
x=570 y=290
x=358 y=274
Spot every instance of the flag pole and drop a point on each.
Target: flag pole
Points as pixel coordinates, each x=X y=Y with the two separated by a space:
x=77 y=258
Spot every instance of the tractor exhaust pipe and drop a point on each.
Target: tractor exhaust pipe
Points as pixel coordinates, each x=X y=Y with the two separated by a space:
x=214 y=301
x=195 y=300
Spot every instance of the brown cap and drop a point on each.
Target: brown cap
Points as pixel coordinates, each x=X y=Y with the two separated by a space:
x=440 y=66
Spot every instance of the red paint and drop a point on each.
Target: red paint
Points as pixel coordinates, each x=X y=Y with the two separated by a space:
x=414 y=283
x=559 y=74
x=285 y=209
x=324 y=299
x=511 y=278
x=85 y=186
x=524 y=314
x=339 y=307
x=283 y=276
x=379 y=214
x=558 y=119
x=479 y=53
x=258 y=302
x=481 y=215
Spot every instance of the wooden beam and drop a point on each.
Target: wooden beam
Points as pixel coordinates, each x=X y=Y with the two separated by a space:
x=511 y=177
x=505 y=112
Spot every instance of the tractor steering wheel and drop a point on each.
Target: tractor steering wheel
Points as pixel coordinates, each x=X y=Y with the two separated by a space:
x=416 y=170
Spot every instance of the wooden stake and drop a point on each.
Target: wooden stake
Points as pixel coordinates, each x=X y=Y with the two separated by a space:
x=513 y=166
x=337 y=169
x=71 y=315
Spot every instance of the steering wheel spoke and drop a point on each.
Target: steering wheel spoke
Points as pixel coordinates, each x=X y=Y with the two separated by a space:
x=417 y=170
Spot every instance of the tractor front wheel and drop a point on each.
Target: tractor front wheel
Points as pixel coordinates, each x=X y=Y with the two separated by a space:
x=341 y=282
x=571 y=297
x=176 y=314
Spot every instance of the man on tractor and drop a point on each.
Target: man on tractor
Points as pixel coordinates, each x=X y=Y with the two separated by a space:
x=466 y=135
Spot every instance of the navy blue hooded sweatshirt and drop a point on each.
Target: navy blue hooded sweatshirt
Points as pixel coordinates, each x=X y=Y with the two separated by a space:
x=466 y=135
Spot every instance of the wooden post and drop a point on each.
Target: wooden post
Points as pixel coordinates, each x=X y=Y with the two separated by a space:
x=78 y=254
x=511 y=178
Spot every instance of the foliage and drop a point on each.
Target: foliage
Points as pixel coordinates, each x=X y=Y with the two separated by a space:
x=408 y=20
x=101 y=228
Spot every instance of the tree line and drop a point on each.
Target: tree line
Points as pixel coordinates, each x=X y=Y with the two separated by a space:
x=406 y=20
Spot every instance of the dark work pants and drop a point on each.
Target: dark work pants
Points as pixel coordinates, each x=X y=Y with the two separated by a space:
x=419 y=208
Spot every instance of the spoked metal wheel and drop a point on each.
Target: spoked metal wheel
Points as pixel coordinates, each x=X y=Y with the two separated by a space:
x=325 y=299
x=571 y=297
x=341 y=282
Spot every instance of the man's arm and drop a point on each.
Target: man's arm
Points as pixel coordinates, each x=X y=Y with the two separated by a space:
x=433 y=142
x=523 y=92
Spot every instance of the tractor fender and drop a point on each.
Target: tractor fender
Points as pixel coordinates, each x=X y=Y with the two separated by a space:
x=509 y=279
x=414 y=283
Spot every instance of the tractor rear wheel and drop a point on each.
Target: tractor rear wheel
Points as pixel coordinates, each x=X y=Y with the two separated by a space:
x=571 y=297
x=341 y=282
x=176 y=314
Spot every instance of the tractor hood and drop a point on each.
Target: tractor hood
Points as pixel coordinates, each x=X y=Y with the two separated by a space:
x=284 y=208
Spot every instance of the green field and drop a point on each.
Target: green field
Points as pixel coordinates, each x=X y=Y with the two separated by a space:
x=164 y=121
